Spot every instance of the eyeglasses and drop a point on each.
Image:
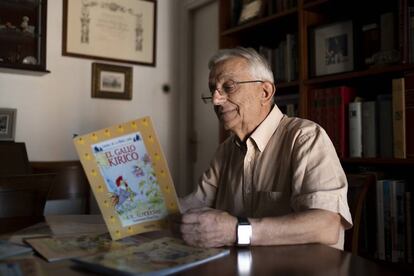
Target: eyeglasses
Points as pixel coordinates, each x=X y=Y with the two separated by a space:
x=227 y=88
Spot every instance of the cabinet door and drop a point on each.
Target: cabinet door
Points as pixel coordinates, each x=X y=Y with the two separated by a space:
x=23 y=34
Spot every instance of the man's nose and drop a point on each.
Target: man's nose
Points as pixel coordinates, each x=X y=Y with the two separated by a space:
x=218 y=98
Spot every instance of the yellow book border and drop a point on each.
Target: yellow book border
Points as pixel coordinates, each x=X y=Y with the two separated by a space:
x=144 y=126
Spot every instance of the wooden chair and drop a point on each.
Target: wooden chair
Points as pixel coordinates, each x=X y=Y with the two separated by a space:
x=358 y=187
x=70 y=187
x=13 y=159
x=22 y=200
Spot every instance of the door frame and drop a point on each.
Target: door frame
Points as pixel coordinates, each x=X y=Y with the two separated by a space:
x=185 y=96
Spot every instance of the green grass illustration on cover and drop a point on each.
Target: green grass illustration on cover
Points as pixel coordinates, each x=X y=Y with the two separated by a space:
x=129 y=177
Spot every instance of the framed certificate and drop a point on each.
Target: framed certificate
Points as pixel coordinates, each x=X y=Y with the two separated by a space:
x=116 y=30
x=129 y=177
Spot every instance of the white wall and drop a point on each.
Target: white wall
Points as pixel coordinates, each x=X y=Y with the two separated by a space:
x=54 y=106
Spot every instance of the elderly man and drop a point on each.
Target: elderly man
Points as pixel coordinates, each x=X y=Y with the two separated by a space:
x=276 y=180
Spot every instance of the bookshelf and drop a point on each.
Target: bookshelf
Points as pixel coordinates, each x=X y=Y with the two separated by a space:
x=368 y=63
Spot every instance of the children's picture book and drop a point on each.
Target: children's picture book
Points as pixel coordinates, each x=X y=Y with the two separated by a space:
x=157 y=257
x=66 y=247
x=9 y=249
x=21 y=267
x=129 y=177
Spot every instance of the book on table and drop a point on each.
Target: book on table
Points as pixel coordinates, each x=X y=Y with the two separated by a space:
x=129 y=177
x=56 y=248
x=157 y=257
x=9 y=249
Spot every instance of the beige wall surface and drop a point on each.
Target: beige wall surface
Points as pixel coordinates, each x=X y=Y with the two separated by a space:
x=52 y=107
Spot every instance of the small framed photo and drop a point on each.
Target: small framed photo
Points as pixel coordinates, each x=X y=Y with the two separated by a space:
x=333 y=48
x=250 y=9
x=7 y=124
x=111 y=81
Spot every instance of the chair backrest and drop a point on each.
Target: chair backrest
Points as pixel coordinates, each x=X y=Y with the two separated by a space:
x=22 y=200
x=358 y=187
x=13 y=159
x=70 y=184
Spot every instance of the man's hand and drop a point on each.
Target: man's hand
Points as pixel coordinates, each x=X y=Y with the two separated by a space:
x=208 y=227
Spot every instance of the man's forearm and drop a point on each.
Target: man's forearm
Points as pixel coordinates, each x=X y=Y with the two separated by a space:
x=311 y=226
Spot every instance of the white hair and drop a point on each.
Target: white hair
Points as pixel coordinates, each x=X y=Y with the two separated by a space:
x=259 y=67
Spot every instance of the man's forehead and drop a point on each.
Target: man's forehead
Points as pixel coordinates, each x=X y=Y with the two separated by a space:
x=228 y=68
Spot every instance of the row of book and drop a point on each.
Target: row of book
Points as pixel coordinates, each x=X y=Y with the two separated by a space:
x=283 y=59
x=381 y=127
x=386 y=216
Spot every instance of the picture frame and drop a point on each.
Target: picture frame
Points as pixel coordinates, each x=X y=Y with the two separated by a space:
x=250 y=9
x=333 y=50
x=111 y=81
x=116 y=30
x=7 y=124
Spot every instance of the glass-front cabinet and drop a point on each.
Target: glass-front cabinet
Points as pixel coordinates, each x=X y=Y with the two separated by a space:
x=23 y=34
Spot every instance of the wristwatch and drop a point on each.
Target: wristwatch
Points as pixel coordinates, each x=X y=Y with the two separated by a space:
x=244 y=231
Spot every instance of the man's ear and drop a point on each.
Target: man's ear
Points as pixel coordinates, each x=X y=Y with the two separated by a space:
x=268 y=92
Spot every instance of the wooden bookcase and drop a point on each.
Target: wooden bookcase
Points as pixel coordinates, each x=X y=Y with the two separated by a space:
x=304 y=17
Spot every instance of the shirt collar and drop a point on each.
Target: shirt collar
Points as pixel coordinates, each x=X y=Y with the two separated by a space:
x=265 y=130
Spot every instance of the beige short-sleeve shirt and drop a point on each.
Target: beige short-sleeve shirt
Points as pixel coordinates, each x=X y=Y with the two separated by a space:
x=287 y=165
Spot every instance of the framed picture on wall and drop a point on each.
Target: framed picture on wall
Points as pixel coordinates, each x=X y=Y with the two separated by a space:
x=333 y=50
x=116 y=30
x=7 y=124
x=111 y=81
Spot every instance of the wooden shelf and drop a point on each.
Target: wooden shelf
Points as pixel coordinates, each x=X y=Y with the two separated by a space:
x=260 y=22
x=375 y=71
x=378 y=161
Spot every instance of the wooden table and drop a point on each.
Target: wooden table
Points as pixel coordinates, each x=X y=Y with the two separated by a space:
x=264 y=260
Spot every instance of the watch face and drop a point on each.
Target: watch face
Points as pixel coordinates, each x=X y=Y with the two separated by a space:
x=244 y=233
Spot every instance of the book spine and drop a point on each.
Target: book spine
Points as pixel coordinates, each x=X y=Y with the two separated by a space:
x=398 y=112
x=387 y=220
x=369 y=130
x=380 y=220
x=403 y=34
x=401 y=220
x=355 y=129
x=408 y=228
x=385 y=125
x=409 y=114
x=347 y=94
x=411 y=33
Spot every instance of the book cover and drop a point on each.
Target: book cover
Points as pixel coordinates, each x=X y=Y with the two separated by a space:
x=66 y=247
x=129 y=177
x=9 y=249
x=158 y=257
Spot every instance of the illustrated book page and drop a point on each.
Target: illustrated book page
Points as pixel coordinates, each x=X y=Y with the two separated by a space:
x=129 y=177
x=66 y=247
x=157 y=257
